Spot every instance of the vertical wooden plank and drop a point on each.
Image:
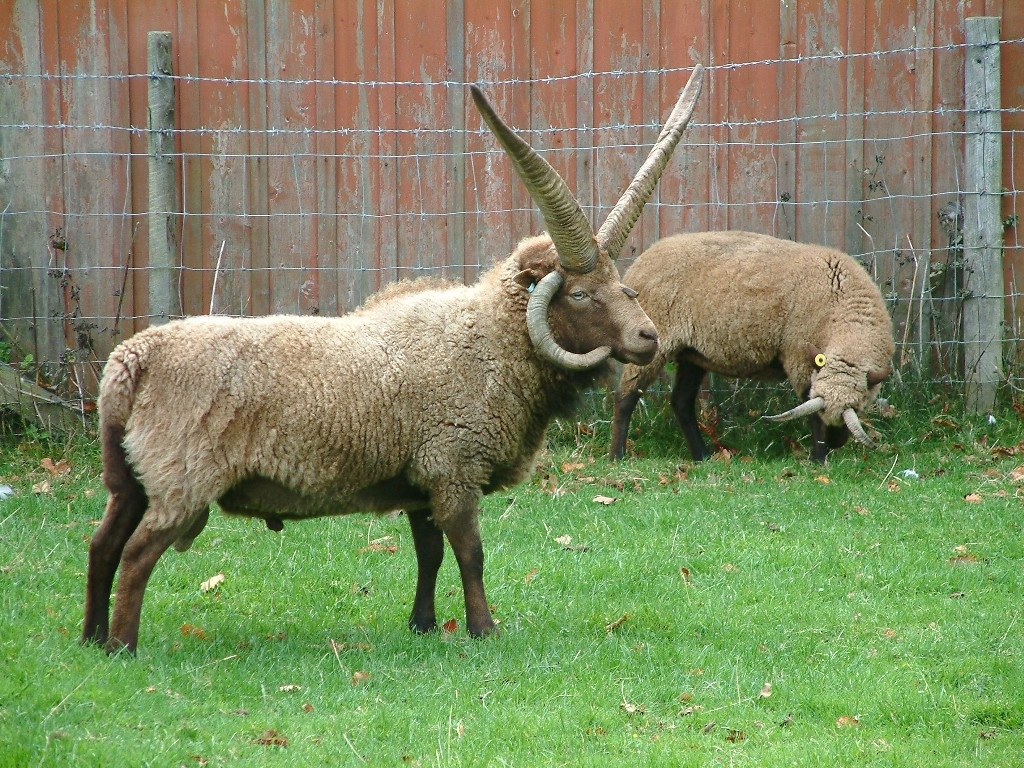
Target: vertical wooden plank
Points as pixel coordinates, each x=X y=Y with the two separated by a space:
x=29 y=298
x=291 y=175
x=983 y=239
x=589 y=113
x=919 y=238
x=553 y=105
x=787 y=80
x=358 y=147
x=749 y=182
x=455 y=108
x=256 y=298
x=95 y=173
x=387 y=257
x=498 y=208
x=854 y=240
x=182 y=18
x=684 y=189
x=617 y=113
x=820 y=98
x=219 y=256
x=649 y=226
x=423 y=133
x=325 y=122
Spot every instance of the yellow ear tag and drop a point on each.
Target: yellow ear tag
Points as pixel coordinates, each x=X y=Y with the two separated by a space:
x=819 y=360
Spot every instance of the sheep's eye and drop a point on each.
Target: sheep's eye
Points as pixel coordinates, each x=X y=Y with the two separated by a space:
x=578 y=295
x=819 y=360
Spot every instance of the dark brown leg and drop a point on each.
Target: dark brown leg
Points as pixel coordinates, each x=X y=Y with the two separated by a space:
x=140 y=555
x=684 y=405
x=631 y=387
x=459 y=510
x=819 y=444
x=429 y=542
x=625 y=404
x=125 y=507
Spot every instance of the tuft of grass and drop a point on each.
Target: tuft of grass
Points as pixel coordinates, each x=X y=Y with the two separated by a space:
x=755 y=609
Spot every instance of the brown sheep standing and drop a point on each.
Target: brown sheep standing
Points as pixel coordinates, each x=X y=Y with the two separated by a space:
x=747 y=305
x=425 y=400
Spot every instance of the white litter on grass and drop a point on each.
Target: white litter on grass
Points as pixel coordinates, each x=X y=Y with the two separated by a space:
x=910 y=474
x=991 y=419
x=6 y=492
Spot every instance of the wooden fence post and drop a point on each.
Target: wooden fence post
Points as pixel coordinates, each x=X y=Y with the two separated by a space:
x=983 y=231
x=163 y=268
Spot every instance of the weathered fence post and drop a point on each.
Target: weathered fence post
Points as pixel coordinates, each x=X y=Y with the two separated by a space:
x=163 y=269
x=983 y=232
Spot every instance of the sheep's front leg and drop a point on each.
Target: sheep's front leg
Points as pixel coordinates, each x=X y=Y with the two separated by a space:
x=429 y=542
x=457 y=511
x=632 y=385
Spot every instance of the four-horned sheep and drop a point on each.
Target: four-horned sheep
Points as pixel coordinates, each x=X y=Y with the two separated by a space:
x=424 y=400
x=748 y=305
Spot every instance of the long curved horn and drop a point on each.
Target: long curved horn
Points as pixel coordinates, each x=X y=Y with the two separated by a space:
x=616 y=228
x=813 y=405
x=853 y=424
x=540 y=331
x=566 y=224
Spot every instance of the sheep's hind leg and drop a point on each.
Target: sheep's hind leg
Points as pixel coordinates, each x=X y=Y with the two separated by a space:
x=684 y=404
x=458 y=510
x=140 y=555
x=124 y=511
x=429 y=542
x=125 y=507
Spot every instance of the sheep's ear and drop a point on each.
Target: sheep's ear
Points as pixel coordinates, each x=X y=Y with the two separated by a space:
x=877 y=377
x=534 y=265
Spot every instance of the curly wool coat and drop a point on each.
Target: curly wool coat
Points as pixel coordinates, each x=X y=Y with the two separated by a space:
x=434 y=392
x=747 y=305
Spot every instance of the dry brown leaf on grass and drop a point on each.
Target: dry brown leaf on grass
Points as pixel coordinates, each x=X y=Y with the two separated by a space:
x=606 y=500
x=765 y=691
x=848 y=721
x=382 y=544
x=41 y=488
x=360 y=677
x=614 y=625
x=62 y=467
x=190 y=630
x=531 y=575
x=450 y=626
x=571 y=466
x=973 y=498
x=1017 y=474
x=271 y=738
x=735 y=736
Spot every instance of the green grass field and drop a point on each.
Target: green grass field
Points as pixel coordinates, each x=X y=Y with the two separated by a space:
x=753 y=610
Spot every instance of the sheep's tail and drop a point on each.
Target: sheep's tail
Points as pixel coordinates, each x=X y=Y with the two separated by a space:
x=117 y=398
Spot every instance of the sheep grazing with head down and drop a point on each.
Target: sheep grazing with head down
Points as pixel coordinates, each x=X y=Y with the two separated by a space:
x=424 y=400
x=752 y=306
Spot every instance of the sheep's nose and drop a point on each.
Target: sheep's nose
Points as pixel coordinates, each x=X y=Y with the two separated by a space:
x=649 y=334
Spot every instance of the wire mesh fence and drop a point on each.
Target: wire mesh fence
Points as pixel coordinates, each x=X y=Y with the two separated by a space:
x=305 y=195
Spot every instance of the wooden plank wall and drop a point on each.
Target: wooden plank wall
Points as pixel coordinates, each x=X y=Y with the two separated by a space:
x=328 y=148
